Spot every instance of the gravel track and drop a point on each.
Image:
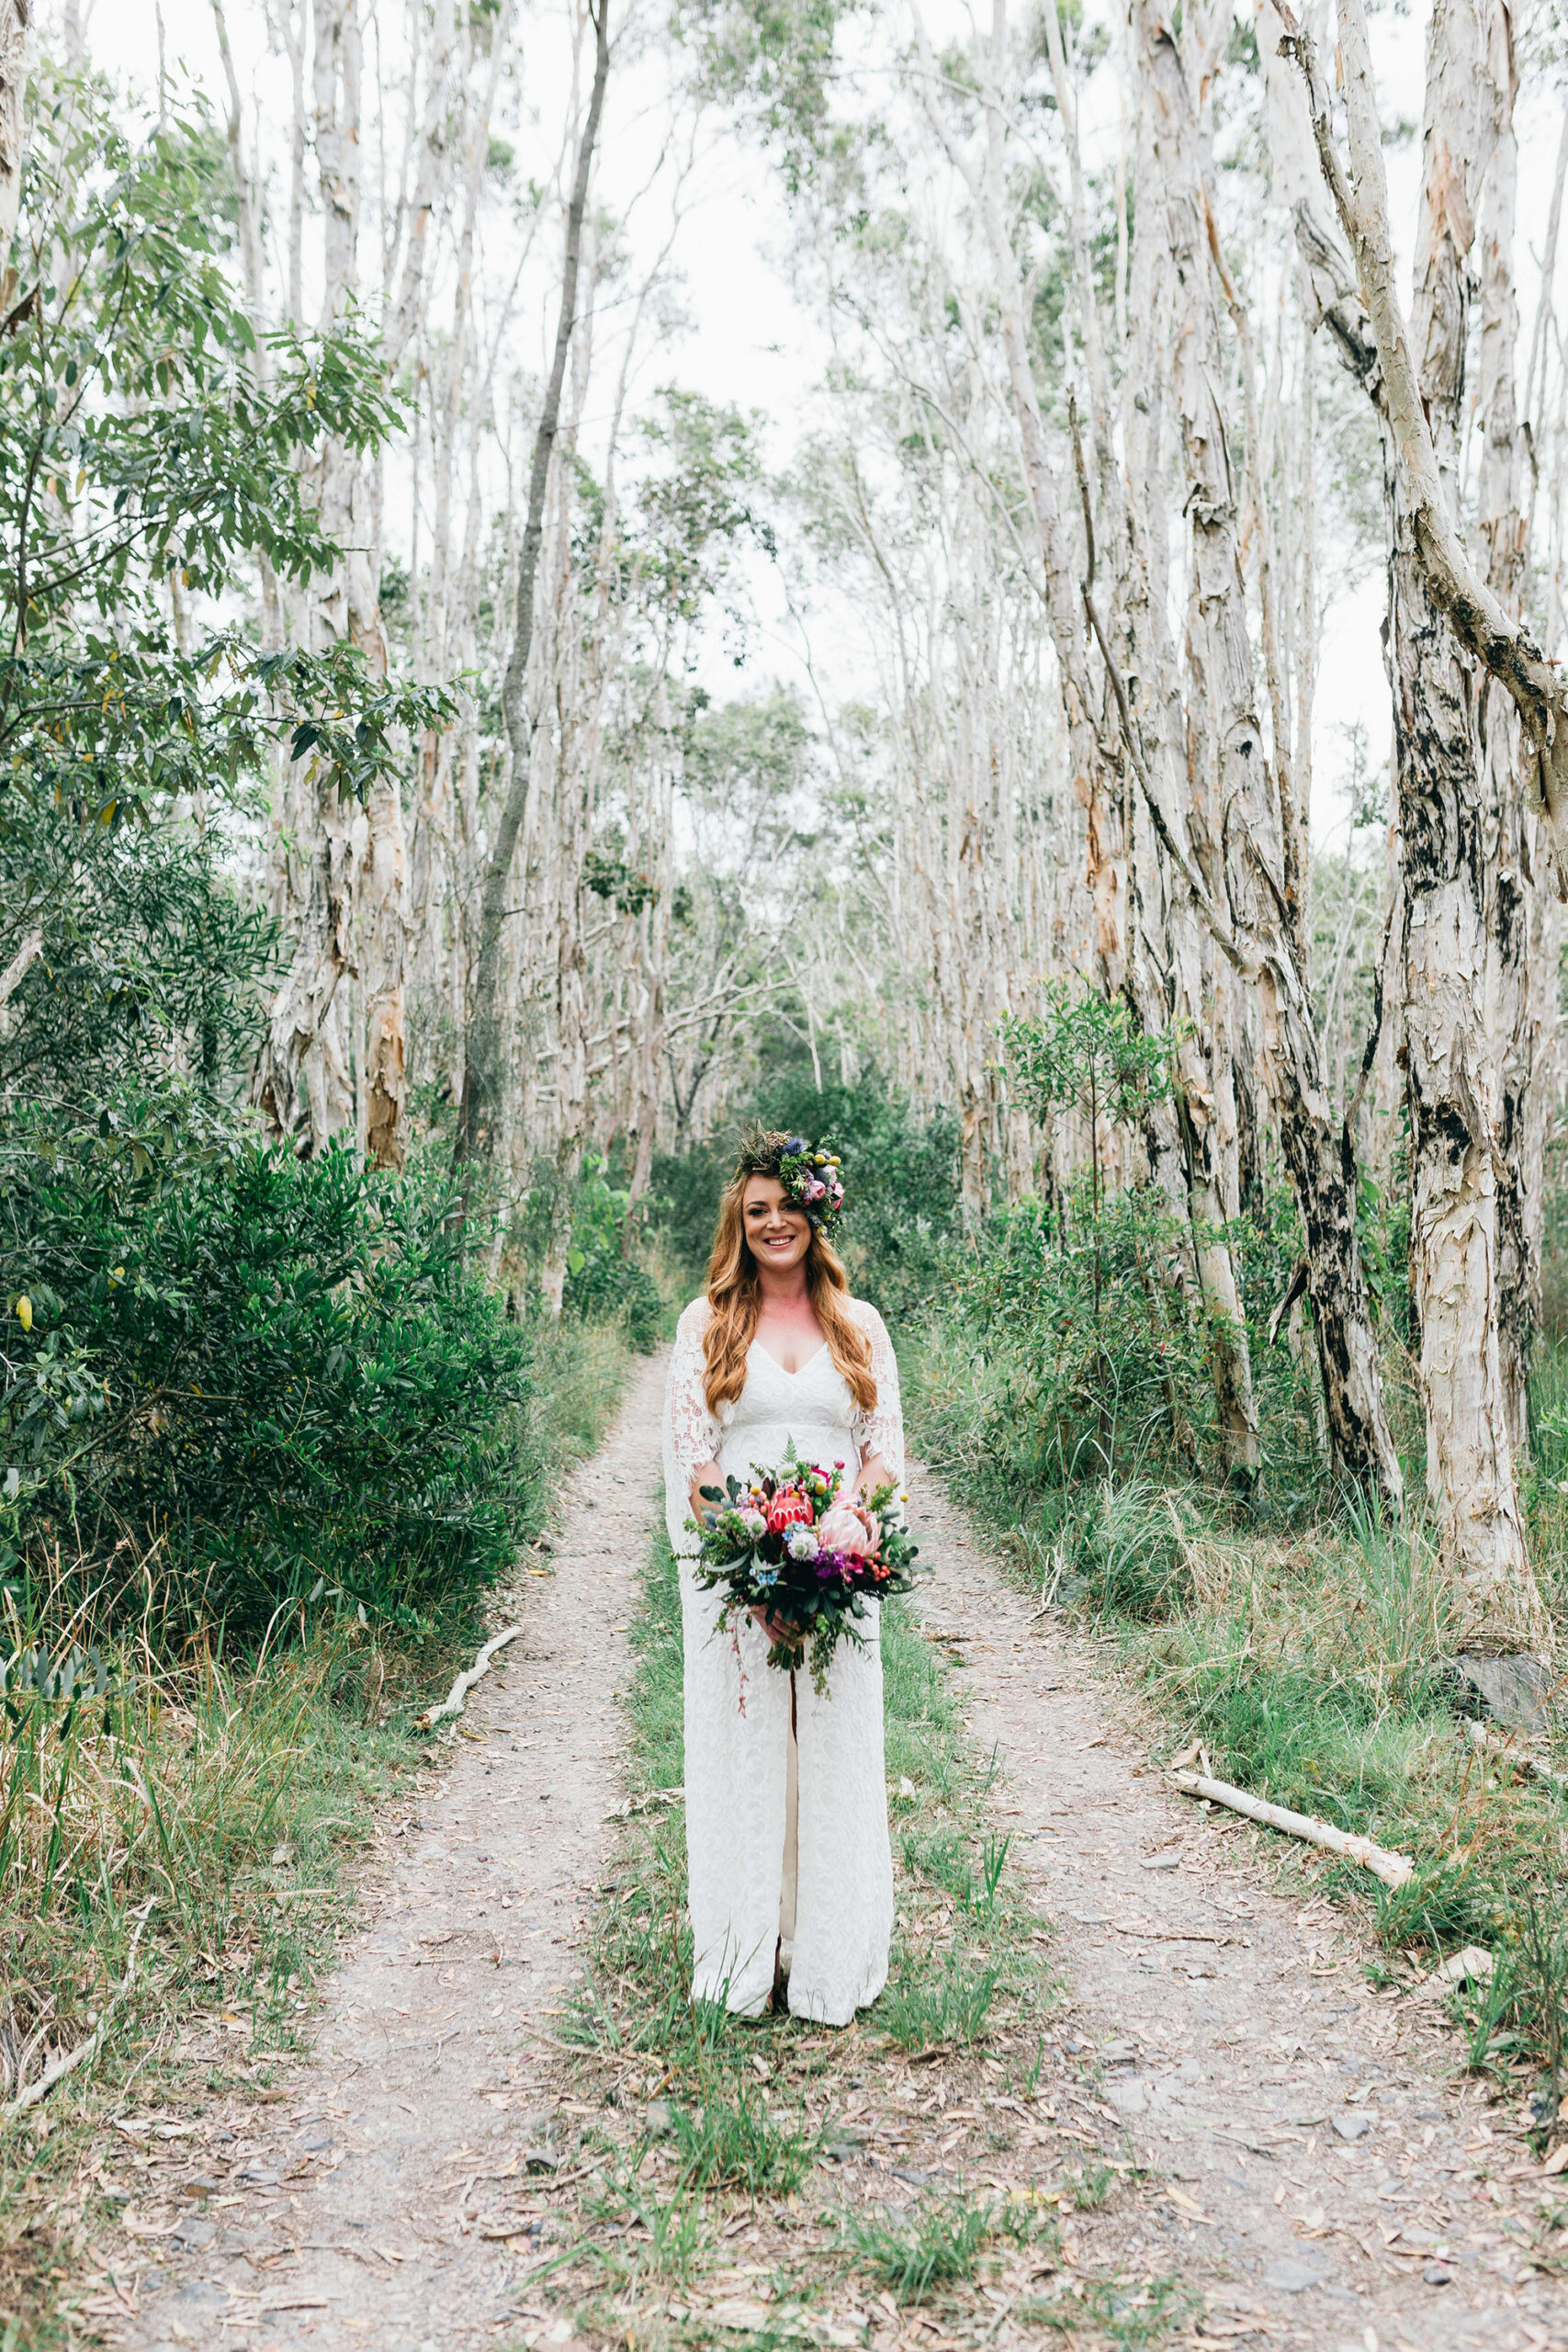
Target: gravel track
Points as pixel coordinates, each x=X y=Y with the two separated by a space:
x=1332 y=2178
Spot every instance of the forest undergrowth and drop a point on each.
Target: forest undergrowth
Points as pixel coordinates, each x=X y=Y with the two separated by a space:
x=183 y=1828
x=724 y=2153
x=1307 y=1643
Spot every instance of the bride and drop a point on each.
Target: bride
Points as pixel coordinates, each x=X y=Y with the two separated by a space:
x=791 y=1880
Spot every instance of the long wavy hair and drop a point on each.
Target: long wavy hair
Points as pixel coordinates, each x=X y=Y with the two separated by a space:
x=736 y=1296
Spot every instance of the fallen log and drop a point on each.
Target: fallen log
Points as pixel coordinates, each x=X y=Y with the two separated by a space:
x=85 y=2051
x=453 y=1702
x=1393 y=1870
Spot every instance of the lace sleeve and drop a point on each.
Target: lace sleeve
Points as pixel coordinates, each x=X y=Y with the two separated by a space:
x=882 y=1430
x=691 y=1433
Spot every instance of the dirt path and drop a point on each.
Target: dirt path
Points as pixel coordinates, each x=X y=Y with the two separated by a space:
x=1311 y=2158
x=359 y=2217
x=1331 y=2178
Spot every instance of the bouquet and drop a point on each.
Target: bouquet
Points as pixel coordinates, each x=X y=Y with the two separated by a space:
x=791 y=1543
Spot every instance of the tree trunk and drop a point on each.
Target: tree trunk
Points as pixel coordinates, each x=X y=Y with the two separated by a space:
x=482 y=1058
x=1518 y=913
x=303 y=1079
x=1453 y=1090
x=16 y=17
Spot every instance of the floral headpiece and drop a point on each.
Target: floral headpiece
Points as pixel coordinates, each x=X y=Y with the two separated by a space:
x=808 y=1174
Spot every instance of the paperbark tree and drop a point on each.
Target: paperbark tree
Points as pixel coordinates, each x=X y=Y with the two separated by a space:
x=1203 y=1096
x=16 y=15
x=483 y=1045
x=1519 y=915
x=1252 y=859
x=303 y=1081
x=1445 y=628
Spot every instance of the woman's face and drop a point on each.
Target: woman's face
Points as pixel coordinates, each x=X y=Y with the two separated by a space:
x=777 y=1233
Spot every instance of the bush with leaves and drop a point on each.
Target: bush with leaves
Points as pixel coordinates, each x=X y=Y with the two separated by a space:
x=1094 y=1363
x=279 y=1374
x=602 y=1282
x=278 y=1368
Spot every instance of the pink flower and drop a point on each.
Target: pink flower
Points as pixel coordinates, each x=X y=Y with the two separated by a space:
x=849 y=1529
x=789 y=1508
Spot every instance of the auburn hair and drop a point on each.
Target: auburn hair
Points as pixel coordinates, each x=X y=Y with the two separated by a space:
x=736 y=1296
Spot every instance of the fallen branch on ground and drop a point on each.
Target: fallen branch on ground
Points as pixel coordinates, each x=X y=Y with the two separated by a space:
x=59 y=2068
x=453 y=1702
x=1393 y=1869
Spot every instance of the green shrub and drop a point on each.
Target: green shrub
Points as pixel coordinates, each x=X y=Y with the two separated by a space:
x=602 y=1283
x=279 y=1369
x=1095 y=1363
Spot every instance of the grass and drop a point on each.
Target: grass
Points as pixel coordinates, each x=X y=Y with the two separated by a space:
x=733 y=2141
x=941 y=2241
x=1302 y=1640
x=214 y=1811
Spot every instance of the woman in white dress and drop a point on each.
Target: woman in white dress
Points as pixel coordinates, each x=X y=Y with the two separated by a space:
x=791 y=1878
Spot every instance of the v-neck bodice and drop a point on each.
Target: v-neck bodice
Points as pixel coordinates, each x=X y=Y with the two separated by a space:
x=800 y=1369
x=811 y=1410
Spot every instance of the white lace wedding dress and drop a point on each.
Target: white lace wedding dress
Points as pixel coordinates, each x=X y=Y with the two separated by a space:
x=834 y=1910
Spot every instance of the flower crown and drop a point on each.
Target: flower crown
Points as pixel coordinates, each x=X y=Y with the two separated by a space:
x=809 y=1174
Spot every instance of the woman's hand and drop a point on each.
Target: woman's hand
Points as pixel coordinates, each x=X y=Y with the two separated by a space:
x=874 y=1472
x=777 y=1629
x=710 y=1475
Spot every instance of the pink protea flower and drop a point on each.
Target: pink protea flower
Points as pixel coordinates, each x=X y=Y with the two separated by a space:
x=851 y=1529
x=789 y=1508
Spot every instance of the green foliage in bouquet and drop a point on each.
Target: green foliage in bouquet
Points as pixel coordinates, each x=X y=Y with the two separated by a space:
x=790 y=1544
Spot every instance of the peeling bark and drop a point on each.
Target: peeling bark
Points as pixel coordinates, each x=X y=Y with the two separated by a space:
x=483 y=1057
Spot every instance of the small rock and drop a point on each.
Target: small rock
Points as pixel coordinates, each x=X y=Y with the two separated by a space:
x=1161 y=1862
x=906 y=1786
x=1516 y=1689
x=659 y=2116
x=1472 y=1965
x=194 y=2234
x=1353 y=2126
x=1292 y=2278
